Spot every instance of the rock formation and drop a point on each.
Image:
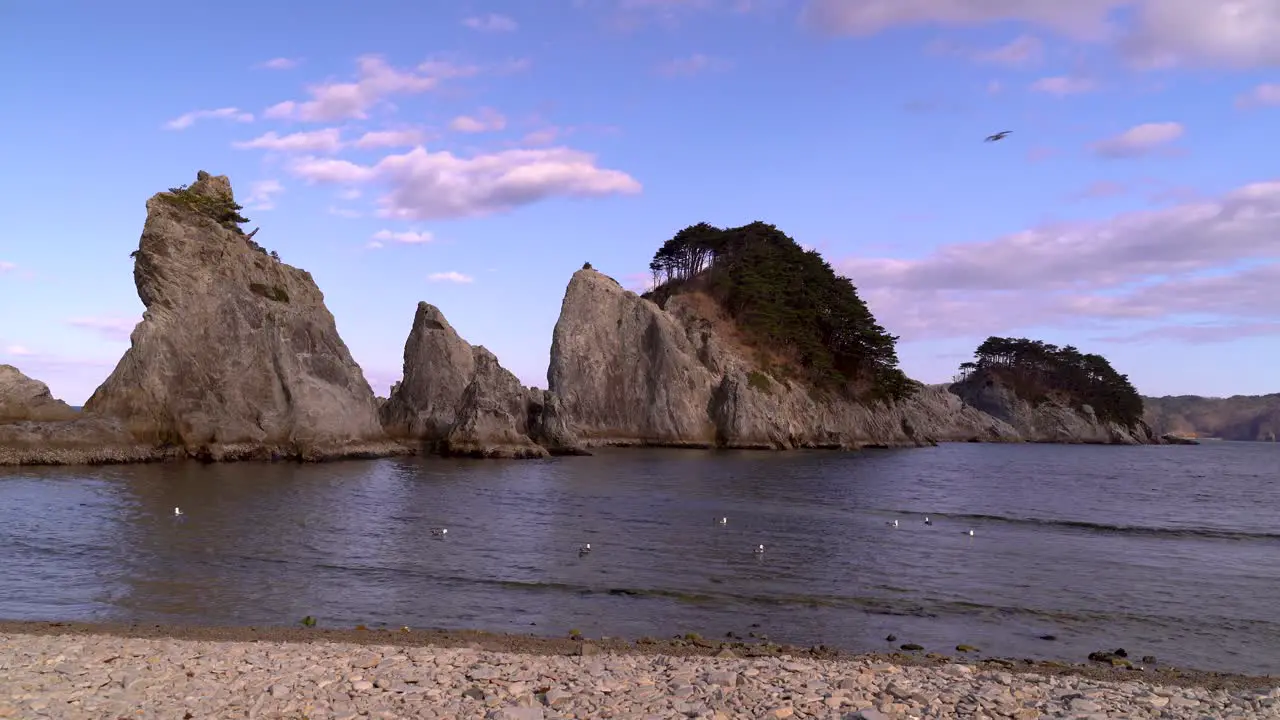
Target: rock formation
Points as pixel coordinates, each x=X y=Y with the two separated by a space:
x=22 y=398
x=236 y=356
x=631 y=373
x=1240 y=417
x=1049 y=421
x=457 y=399
x=36 y=429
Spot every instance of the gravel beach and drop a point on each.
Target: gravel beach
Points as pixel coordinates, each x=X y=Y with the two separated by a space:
x=60 y=670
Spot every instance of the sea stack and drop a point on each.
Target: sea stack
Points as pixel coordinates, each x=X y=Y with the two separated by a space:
x=236 y=356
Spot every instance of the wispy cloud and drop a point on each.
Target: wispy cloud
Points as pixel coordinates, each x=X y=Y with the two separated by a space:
x=377 y=80
x=1139 y=140
x=1063 y=85
x=390 y=138
x=262 y=194
x=328 y=140
x=110 y=327
x=1023 y=51
x=407 y=237
x=186 y=120
x=280 y=63
x=492 y=22
x=1267 y=94
x=451 y=276
x=485 y=120
x=695 y=64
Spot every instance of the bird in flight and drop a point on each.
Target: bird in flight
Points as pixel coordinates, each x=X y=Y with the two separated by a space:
x=998 y=136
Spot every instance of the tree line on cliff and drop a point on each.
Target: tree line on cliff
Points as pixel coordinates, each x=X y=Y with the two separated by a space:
x=1038 y=371
x=787 y=299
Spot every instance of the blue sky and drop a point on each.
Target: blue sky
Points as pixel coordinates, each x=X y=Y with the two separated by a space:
x=475 y=154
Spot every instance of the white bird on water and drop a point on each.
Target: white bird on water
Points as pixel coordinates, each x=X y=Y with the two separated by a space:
x=724 y=521
x=759 y=549
x=584 y=549
x=970 y=533
x=439 y=532
x=177 y=511
x=927 y=521
x=892 y=524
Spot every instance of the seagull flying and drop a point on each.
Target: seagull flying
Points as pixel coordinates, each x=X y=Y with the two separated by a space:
x=998 y=136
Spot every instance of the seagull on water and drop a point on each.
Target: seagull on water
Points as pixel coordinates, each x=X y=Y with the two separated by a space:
x=970 y=533
x=439 y=532
x=759 y=549
x=177 y=511
x=584 y=549
x=892 y=524
x=724 y=521
x=927 y=521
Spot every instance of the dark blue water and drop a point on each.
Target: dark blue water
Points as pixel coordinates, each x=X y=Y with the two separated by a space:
x=1171 y=551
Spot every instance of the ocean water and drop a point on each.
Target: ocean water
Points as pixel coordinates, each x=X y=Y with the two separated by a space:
x=1171 y=551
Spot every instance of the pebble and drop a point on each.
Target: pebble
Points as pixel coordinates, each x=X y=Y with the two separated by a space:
x=198 y=679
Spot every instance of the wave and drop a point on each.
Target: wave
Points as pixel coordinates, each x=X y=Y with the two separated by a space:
x=1169 y=532
x=880 y=605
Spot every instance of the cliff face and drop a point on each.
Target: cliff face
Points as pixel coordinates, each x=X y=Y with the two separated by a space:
x=458 y=399
x=1048 y=422
x=631 y=373
x=1241 y=417
x=236 y=355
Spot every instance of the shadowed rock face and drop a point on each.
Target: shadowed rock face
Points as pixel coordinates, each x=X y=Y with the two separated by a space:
x=458 y=399
x=1241 y=417
x=631 y=373
x=1046 y=422
x=236 y=355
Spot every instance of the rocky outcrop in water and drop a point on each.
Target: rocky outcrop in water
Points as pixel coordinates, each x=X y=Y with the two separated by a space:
x=236 y=356
x=457 y=399
x=1048 y=421
x=22 y=398
x=37 y=429
x=632 y=373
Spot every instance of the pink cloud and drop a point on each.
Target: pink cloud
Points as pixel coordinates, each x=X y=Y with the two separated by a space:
x=1215 y=257
x=377 y=80
x=1063 y=85
x=429 y=186
x=1267 y=94
x=485 y=120
x=390 y=138
x=1022 y=51
x=328 y=140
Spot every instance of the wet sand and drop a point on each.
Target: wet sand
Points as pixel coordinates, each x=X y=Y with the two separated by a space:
x=688 y=646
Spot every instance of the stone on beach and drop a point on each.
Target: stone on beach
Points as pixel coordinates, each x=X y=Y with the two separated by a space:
x=97 y=676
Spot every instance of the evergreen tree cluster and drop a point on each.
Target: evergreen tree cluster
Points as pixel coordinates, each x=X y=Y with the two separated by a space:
x=223 y=210
x=785 y=298
x=1039 y=371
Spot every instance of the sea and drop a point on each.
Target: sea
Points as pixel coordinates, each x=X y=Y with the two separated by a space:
x=1171 y=551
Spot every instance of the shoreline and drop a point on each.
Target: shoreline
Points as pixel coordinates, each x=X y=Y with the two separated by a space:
x=688 y=646
x=107 y=456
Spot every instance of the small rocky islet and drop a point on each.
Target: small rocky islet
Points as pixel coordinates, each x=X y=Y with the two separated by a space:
x=237 y=358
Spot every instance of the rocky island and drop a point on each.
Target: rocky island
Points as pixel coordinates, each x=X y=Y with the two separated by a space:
x=750 y=341
x=746 y=341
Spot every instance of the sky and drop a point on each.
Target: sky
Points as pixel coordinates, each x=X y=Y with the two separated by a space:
x=474 y=154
